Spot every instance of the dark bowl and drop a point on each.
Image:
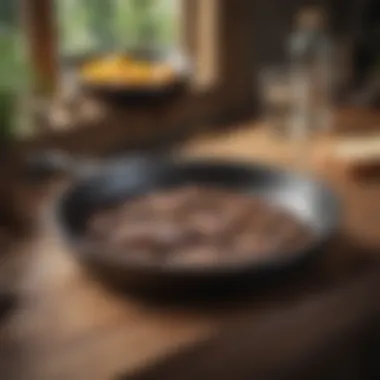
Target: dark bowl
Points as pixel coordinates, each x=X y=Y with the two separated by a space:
x=140 y=95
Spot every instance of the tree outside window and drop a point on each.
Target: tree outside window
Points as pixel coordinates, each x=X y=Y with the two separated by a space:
x=14 y=73
x=93 y=25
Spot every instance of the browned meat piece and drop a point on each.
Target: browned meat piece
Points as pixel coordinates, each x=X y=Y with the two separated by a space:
x=101 y=223
x=297 y=240
x=233 y=212
x=160 y=236
x=272 y=219
x=163 y=202
x=133 y=235
x=195 y=255
x=199 y=226
x=170 y=233
x=205 y=224
x=288 y=232
x=251 y=245
x=189 y=193
x=134 y=210
x=172 y=200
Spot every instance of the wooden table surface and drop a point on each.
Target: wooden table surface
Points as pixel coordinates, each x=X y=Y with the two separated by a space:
x=68 y=326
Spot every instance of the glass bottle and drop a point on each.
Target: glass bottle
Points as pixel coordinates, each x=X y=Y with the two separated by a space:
x=310 y=50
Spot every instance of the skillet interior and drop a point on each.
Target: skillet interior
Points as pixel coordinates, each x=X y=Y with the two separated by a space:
x=306 y=199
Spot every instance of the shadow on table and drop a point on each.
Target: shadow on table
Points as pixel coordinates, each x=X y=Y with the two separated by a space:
x=341 y=260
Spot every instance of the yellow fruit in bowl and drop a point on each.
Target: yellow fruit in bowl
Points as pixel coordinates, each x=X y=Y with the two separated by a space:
x=126 y=71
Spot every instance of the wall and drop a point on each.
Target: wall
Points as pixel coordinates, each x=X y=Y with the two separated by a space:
x=272 y=20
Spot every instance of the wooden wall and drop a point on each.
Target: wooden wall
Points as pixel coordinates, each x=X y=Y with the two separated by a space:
x=273 y=22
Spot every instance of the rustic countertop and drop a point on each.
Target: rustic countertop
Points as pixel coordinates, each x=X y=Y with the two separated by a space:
x=69 y=327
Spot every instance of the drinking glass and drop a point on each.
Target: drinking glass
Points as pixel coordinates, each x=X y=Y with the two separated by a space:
x=275 y=98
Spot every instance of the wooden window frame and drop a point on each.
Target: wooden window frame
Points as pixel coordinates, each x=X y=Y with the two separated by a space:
x=231 y=98
x=40 y=29
x=201 y=20
x=198 y=37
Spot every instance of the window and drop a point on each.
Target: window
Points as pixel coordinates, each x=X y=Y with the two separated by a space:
x=60 y=29
x=14 y=70
x=85 y=26
x=73 y=28
x=91 y=25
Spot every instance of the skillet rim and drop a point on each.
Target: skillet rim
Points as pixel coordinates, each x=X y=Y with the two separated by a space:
x=283 y=261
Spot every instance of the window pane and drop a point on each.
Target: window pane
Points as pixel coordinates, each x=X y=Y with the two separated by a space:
x=88 y=25
x=14 y=70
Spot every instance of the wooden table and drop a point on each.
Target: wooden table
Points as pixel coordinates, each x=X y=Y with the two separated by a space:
x=70 y=327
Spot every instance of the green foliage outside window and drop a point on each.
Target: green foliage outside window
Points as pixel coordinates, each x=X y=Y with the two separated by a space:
x=14 y=73
x=84 y=26
x=88 y=25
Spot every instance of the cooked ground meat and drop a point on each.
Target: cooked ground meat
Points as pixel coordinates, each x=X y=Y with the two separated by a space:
x=192 y=225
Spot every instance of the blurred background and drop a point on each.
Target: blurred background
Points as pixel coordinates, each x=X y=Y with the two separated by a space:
x=228 y=45
x=290 y=83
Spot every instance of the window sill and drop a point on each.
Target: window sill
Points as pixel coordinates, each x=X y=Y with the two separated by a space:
x=142 y=127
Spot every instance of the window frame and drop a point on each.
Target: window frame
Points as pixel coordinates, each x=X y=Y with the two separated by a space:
x=42 y=40
x=231 y=98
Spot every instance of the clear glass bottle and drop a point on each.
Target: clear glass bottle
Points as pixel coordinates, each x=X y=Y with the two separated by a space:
x=311 y=71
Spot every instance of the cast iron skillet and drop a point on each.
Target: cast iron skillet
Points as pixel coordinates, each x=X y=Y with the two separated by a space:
x=307 y=199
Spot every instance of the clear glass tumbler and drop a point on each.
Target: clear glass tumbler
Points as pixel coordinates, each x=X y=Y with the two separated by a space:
x=275 y=98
